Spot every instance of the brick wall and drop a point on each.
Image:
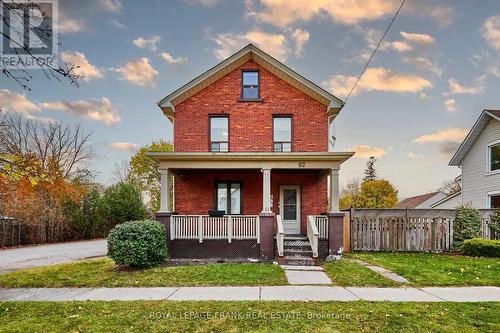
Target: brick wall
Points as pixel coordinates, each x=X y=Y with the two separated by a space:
x=250 y=123
x=195 y=193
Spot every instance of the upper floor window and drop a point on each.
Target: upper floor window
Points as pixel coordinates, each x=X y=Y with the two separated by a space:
x=494 y=157
x=282 y=133
x=250 y=85
x=219 y=134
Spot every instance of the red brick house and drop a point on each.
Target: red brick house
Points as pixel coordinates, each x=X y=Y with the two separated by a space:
x=254 y=170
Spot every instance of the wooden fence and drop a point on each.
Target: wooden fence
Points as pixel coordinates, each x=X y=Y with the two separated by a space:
x=407 y=229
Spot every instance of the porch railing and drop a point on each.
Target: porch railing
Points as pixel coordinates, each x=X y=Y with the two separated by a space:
x=313 y=235
x=204 y=227
x=280 y=235
x=321 y=222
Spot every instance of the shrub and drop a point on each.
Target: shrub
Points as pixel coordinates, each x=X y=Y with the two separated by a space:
x=495 y=222
x=479 y=247
x=86 y=217
x=123 y=203
x=138 y=243
x=467 y=225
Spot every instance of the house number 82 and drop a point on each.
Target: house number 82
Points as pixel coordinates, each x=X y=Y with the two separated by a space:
x=302 y=164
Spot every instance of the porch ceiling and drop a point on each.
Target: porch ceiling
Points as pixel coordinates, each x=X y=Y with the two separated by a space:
x=254 y=160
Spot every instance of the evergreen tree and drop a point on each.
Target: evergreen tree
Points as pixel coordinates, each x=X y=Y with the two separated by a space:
x=370 y=173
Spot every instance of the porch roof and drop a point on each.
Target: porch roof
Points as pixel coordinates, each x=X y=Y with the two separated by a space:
x=250 y=160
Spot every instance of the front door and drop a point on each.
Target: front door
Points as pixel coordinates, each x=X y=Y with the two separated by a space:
x=290 y=209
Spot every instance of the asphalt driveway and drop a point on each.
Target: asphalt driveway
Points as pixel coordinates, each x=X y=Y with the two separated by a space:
x=41 y=255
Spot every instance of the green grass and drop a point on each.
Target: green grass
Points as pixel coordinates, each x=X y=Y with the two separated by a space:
x=102 y=273
x=429 y=269
x=157 y=316
x=348 y=273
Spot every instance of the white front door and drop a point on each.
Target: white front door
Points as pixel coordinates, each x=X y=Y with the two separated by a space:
x=290 y=209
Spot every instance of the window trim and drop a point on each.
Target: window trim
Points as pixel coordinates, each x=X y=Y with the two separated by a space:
x=210 y=116
x=291 y=132
x=243 y=99
x=488 y=198
x=228 y=187
x=488 y=158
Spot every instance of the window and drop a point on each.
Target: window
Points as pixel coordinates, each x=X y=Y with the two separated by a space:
x=282 y=134
x=494 y=200
x=228 y=197
x=219 y=134
x=250 y=85
x=494 y=157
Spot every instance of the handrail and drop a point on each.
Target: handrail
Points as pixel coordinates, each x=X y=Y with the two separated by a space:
x=313 y=235
x=280 y=235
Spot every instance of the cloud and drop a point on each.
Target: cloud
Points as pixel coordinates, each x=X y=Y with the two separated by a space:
x=447 y=149
x=126 y=146
x=378 y=79
x=447 y=135
x=118 y=24
x=424 y=64
x=11 y=101
x=398 y=46
x=442 y=14
x=229 y=43
x=86 y=70
x=206 y=3
x=457 y=88
x=149 y=43
x=139 y=72
x=417 y=38
x=114 y=6
x=364 y=151
x=100 y=110
x=491 y=31
x=416 y=156
x=300 y=38
x=451 y=105
x=174 y=61
x=68 y=25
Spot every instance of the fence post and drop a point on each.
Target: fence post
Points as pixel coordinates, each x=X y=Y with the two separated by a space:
x=200 y=228
x=229 y=228
x=433 y=234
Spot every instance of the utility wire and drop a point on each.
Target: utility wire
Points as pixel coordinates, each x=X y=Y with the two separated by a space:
x=374 y=51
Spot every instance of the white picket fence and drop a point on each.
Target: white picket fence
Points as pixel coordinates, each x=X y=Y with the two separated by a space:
x=322 y=225
x=204 y=227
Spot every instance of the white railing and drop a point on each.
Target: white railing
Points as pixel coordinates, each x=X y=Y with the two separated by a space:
x=313 y=235
x=322 y=225
x=204 y=227
x=280 y=235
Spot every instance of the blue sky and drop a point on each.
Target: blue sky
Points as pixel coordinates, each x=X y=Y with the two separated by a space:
x=437 y=69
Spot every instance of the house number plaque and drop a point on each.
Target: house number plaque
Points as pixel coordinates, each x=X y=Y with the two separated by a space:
x=301 y=164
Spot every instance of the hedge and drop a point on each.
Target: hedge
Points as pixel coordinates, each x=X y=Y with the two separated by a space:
x=479 y=247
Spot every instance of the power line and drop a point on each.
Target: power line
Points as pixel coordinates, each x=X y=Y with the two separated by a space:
x=374 y=51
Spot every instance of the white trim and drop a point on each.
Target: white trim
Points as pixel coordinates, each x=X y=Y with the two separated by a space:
x=488 y=158
x=298 y=207
x=488 y=197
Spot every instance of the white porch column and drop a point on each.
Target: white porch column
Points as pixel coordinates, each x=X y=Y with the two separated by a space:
x=164 y=191
x=334 y=191
x=266 y=191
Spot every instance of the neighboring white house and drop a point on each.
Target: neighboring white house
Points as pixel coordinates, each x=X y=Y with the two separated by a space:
x=479 y=158
x=450 y=202
x=422 y=201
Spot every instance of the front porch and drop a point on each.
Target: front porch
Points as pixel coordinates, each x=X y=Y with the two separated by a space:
x=262 y=200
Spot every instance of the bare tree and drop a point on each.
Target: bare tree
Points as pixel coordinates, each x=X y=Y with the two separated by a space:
x=121 y=173
x=15 y=22
x=450 y=186
x=56 y=147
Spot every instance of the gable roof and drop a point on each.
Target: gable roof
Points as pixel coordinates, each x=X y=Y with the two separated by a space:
x=451 y=196
x=415 y=201
x=474 y=133
x=250 y=52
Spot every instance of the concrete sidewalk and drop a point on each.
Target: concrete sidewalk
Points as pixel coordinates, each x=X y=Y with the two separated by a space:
x=276 y=293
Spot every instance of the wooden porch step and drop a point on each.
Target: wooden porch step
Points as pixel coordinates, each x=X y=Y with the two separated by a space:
x=307 y=253
x=298 y=261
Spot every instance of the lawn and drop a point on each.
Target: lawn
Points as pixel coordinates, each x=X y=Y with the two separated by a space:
x=348 y=273
x=159 y=316
x=430 y=269
x=102 y=273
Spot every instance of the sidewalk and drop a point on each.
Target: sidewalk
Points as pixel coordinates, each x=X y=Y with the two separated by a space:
x=277 y=293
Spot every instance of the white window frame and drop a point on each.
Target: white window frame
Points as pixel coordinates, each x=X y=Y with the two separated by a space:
x=488 y=198
x=488 y=158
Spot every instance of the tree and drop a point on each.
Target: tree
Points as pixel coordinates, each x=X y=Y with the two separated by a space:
x=450 y=187
x=467 y=225
x=370 y=173
x=15 y=24
x=145 y=173
x=369 y=194
x=122 y=202
x=349 y=197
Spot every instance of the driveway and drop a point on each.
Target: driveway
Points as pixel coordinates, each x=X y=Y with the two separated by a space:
x=41 y=255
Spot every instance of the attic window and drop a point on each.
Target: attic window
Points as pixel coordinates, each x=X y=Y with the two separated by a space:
x=250 y=89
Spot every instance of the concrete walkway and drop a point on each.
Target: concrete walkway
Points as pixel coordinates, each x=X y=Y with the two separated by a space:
x=382 y=271
x=277 y=293
x=41 y=255
x=305 y=275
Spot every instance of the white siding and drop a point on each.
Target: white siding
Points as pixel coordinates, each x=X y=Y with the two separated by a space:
x=476 y=181
x=427 y=204
x=451 y=203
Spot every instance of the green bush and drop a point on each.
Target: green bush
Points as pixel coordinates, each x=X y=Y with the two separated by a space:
x=467 y=225
x=123 y=203
x=86 y=218
x=138 y=243
x=479 y=247
x=495 y=222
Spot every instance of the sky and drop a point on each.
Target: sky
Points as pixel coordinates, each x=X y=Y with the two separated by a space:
x=437 y=69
